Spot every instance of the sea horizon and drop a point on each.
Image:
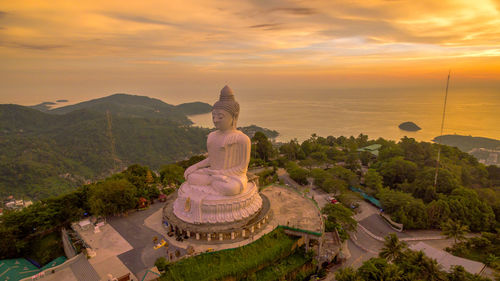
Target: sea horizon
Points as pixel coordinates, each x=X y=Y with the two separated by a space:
x=373 y=112
x=376 y=112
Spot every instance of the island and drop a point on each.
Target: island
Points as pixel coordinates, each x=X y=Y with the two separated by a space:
x=194 y=108
x=252 y=129
x=409 y=126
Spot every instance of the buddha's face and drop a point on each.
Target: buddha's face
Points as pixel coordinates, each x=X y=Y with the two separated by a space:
x=222 y=119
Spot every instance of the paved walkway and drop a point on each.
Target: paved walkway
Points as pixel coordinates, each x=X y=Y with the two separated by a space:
x=107 y=244
x=288 y=207
x=142 y=256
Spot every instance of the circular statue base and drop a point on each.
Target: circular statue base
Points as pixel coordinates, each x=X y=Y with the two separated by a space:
x=213 y=233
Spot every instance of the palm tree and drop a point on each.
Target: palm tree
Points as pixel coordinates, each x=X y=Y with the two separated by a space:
x=454 y=229
x=393 y=248
x=433 y=270
x=347 y=274
x=427 y=268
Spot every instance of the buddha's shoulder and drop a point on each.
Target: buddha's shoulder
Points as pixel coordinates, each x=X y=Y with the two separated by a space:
x=242 y=136
x=233 y=137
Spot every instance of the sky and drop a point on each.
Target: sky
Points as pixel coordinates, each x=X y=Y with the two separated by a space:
x=79 y=50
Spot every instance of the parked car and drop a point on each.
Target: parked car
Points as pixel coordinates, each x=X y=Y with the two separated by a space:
x=332 y=200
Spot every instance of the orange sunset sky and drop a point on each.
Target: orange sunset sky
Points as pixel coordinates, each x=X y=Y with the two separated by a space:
x=87 y=49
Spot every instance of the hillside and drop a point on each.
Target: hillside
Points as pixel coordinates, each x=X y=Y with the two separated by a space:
x=486 y=150
x=43 y=154
x=46 y=153
x=467 y=143
x=130 y=106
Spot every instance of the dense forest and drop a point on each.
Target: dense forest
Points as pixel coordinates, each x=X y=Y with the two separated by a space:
x=401 y=175
x=43 y=154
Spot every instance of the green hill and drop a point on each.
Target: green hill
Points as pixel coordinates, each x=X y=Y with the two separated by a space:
x=467 y=143
x=130 y=106
x=193 y=108
x=43 y=154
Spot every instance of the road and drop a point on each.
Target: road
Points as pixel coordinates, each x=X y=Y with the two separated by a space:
x=361 y=245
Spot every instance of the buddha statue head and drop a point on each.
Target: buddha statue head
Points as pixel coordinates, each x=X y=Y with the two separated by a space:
x=225 y=111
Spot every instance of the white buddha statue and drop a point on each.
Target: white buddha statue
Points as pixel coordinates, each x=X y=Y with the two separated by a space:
x=224 y=171
x=217 y=188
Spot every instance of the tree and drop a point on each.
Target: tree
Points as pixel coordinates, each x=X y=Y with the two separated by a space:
x=437 y=212
x=138 y=176
x=404 y=208
x=454 y=229
x=379 y=269
x=347 y=274
x=337 y=214
x=418 y=152
x=334 y=154
x=333 y=185
x=262 y=147
x=291 y=149
x=319 y=157
x=393 y=248
x=112 y=197
x=172 y=174
x=446 y=182
x=389 y=150
x=297 y=173
x=396 y=171
x=308 y=163
x=428 y=268
x=352 y=161
x=373 y=181
x=466 y=206
x=191 y=161
x=344 y=174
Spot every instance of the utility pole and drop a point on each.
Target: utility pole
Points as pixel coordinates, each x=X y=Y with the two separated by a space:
x=111 y=139
x=441 y=134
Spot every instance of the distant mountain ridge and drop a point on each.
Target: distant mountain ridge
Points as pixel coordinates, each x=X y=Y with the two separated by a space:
x=133 y=106
x=467 y=143
x=486 y=150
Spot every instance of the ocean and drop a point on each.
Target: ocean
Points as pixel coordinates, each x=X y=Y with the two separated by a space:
x=373 y=112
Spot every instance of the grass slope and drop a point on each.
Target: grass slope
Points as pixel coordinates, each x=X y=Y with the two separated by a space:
x=236 y=263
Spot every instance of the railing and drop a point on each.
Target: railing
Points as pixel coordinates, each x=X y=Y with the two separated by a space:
x=369 y=198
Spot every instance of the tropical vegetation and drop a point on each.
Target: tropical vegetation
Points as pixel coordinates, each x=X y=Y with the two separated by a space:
x=398 y=263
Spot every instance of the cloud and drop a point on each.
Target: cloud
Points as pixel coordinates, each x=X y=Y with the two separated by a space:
x=39 y=47
x=136 y=19
x=295 y=11
x=274 y=33
x=266 y=26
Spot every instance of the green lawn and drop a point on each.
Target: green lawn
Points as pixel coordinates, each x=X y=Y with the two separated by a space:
x=283 y=268
x=237 y=263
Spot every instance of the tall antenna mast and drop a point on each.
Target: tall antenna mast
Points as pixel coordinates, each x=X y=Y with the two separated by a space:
x=441 y=134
